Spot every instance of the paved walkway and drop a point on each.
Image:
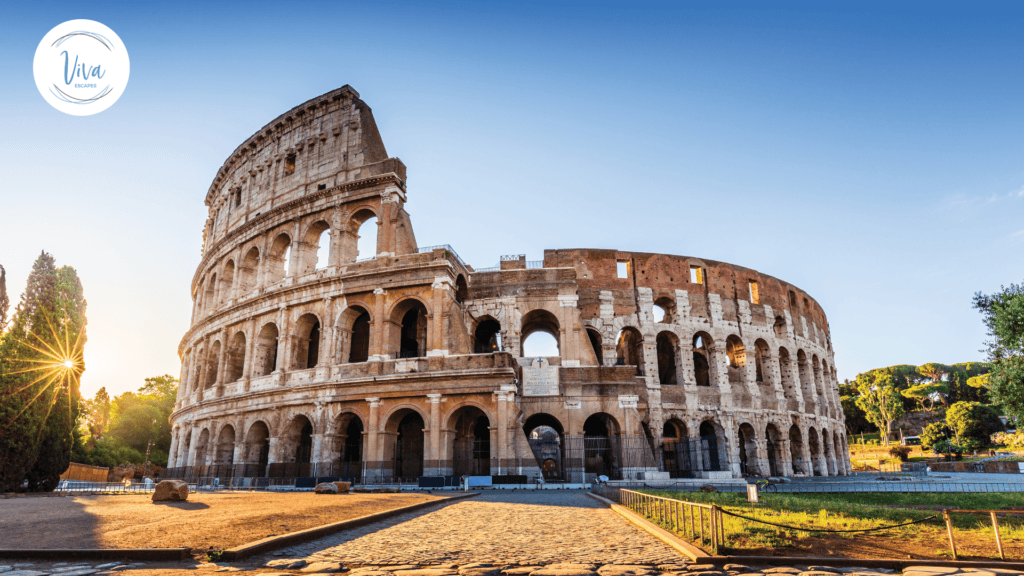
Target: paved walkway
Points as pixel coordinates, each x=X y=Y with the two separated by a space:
x=515 y=527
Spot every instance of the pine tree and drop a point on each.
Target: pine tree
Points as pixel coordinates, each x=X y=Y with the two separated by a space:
x=40 y=368
x=5 y=302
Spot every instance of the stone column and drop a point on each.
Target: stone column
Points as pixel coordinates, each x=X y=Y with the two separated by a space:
x=435 y=435
x=391 y=200
x=504 y=396
x=372 y=432
x=435 y=324
x=175 y=439
x=379 y=330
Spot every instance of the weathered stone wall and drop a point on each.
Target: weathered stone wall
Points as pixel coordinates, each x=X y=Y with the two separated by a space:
x=409 y=362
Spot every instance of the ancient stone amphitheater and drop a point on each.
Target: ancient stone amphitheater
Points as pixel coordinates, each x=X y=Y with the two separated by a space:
x=306 y=358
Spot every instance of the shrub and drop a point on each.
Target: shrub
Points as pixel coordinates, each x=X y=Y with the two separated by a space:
x=1010 y=440
x=934 y=432
x=947 y=447
x=901 y=452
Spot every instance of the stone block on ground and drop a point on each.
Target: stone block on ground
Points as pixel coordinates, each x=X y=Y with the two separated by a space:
x=286 y=564
x=701 y=567
x=627 y=570
x=549 y=571
x=343 y=487
x=170 y=491
x=480 y=571
x=326 y=488
x=738 y=567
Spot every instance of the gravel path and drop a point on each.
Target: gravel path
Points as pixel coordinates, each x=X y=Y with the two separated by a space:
x=500 y=527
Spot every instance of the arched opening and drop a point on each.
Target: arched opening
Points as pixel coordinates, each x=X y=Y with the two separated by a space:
x=796 y=450
x=629 y=349
x=540 y=335
x=366 y=227
x=266 y=350
x=665 y=310
x=470 y=442
x=790 y=388
x=210 y=298
x=595 y=342
x=773 y=440
x=298 y=448
x=780 y=327
x=405 y=454
x=748 y=451
x=815 y=450
x=212 y=365
x=225 y=447
x=247 y=272
x=227 y=278
x=202 y=447
x=183 y=459
x=737 y=354
x=828 y=452
x=235 y=358
x=711 y=446
x=349 y=447
x=278 y=261
x=676 y=449
x=358 y=343
x=461 y=289
x=318 y=242
x=806 y=379
x=487 y=336
x=257 y=448
x=762 y=358
x=816 y=373
x=546 y=438
x=668 y=350
x=703 y=346
x=307 y=345
x=601 y=447
x=410 y=340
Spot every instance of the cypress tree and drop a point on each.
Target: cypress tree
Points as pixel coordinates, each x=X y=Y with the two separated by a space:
x=40 y=368
x=5 y=302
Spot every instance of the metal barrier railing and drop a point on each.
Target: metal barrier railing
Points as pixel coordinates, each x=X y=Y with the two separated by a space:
x=673 y=514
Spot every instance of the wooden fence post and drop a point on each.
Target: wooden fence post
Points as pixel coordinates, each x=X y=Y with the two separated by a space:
x=999 y=542
x=949 y=530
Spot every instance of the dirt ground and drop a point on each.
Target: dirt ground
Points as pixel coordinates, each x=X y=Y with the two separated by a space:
x=204 y=522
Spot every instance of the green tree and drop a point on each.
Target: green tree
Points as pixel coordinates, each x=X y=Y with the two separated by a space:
x=933 y=433
x=1003 y=313
x=880 y=400
x=856 y=420
x=97 y=414
x=925 y=393
x=972 y=423
x=5 y=302
x=140 y=417
x=40 y=368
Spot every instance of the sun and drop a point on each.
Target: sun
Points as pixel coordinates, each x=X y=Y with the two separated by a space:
x=69 y=364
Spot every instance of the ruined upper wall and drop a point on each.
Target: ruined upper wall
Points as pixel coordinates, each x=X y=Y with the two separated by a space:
x=597 y=270
x=327 y=141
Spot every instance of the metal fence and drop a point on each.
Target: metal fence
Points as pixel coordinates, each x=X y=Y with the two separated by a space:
x=701 y=522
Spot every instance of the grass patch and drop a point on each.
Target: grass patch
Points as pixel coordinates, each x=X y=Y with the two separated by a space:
x=823 y=512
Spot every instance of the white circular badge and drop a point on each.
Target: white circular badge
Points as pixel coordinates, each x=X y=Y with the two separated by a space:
x=81 y=67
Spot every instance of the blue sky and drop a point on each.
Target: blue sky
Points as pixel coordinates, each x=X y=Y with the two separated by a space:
x=871 y=154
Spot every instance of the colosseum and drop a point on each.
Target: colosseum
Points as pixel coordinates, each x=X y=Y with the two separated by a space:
x=307 y=359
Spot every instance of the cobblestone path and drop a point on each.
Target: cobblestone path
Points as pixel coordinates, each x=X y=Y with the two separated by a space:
x=501 y=527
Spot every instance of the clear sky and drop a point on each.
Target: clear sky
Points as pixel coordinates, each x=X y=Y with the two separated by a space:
x=870 y=153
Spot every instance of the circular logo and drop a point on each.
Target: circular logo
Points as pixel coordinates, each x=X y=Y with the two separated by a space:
x=81 y=67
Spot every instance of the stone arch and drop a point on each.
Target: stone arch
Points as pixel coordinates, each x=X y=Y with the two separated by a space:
x=227 y=280
x=257 y=448
x=815 y=454
x=210 y=297
x=806 y=379
x=296 y=441
x=546 y=437
x=266 y=350
x=675 y=455
x=790 y=388
x=763 y=374
x=839 y=450
x=202 y=448
x=796 y=451
x=461 y=289
x=225 y=453
x=408 y=328
x=307 y=342
x=403 y=446
x=212 y=364
x=354 y=334
x=355 y=229
x=714 y=448
x=233 y=370
x=779 y=327
x=818 y=376
x=277 y=260
x=668 y=352
x=469 y=441
x=316 y=257
x=486 y=335
x=668 y=308
x=186 y=445
x=348 y=449
x=596 y=342
x=704 y=351
x=736 y=353
x=539 y=320
x=775 y=450
x=747 y=439
x=602 y=453
x=629 y=348
x=248 y=271
x=828 y=450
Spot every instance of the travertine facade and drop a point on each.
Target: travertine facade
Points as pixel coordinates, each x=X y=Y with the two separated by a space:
x=408 y=362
